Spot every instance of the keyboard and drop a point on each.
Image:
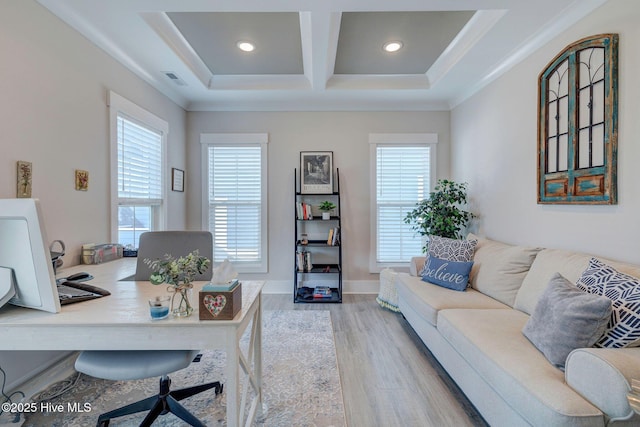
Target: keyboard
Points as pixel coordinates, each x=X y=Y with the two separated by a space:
x=70 y=292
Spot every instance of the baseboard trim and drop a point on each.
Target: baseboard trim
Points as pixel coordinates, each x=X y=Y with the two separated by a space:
x=52 y=374
x=348 y=287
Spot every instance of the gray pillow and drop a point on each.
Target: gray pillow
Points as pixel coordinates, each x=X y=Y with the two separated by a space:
x=566 y=318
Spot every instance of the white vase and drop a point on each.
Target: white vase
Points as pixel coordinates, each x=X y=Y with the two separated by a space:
x=326 y=215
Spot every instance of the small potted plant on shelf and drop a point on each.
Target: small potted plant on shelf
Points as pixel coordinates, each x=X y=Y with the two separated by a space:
x=326 y=207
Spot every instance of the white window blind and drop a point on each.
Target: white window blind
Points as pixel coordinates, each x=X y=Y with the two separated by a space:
x=236 y=200
x=402 y=180
x=403 y=175
x=139 y=163
x=138 y=140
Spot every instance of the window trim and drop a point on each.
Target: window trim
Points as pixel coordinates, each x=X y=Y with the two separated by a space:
x=235 y=139
x=393 y=139
x=119 y=105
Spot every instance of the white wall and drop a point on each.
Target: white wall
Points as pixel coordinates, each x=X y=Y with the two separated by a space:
x=344 y=133
x=494 y=148
x=53 y=113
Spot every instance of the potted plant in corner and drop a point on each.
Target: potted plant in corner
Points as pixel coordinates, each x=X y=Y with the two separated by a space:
x=326 y=207
x=442 y=213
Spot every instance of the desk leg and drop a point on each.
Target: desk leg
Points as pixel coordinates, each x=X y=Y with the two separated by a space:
x=233 y=380
x=251 y=365
x=257 y=363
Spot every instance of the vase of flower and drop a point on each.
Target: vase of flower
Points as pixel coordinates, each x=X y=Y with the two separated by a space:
x=179 y=274
x=181 y=300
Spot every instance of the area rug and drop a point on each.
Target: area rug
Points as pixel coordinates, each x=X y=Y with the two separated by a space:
x=301 y=384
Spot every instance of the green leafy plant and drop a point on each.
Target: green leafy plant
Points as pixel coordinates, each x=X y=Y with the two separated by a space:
x=326 y=206
x=175 y=271
x=441 y=214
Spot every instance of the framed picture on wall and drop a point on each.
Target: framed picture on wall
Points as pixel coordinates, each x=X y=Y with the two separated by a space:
x=177 y=179
x=316 y=172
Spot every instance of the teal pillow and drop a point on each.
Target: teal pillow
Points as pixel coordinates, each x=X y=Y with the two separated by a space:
x=448 y=274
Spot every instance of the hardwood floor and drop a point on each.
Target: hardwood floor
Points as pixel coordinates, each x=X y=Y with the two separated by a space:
x=389 y=377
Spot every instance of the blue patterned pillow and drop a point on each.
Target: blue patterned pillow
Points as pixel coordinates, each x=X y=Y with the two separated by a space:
x=623 y=329
x=448 y=274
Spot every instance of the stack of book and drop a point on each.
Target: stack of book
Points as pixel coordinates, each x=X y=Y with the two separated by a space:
x=322 y=292
x=334 y=236
x=303 y=261
x=303 y=211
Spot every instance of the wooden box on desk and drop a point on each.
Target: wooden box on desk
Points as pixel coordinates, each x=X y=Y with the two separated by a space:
x=217 y=304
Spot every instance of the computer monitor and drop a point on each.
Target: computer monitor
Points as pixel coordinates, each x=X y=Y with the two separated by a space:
x=24 y=249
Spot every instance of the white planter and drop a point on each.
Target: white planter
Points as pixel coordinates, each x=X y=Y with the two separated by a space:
x=326 y=215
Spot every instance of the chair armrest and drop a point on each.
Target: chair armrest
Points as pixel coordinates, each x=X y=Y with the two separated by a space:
x=603 y=377
x=417 y=262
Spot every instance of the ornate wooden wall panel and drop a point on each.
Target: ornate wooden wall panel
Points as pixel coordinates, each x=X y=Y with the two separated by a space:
x=577 y=127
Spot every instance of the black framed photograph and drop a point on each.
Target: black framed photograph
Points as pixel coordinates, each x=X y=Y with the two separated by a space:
x=177 y=179
x=316 y=172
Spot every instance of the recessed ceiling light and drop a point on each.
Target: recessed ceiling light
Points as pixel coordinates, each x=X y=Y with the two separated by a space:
x=393 y=46
x=245 y=46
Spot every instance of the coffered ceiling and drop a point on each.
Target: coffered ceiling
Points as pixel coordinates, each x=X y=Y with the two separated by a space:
x=315 y=55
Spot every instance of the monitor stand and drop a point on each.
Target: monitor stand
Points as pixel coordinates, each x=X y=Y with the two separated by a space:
x=7 y=285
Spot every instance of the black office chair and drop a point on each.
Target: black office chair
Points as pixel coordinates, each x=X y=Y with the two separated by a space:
x=132 y=365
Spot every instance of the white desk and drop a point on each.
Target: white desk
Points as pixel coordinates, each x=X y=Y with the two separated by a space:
x=121 y=321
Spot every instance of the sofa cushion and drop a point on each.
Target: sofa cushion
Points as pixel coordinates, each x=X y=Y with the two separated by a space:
x=551 y=261
x=492 y=343
x=623 y=290
x=566 y=318
x=449 y=274
x=427 y=299
x=500 y=268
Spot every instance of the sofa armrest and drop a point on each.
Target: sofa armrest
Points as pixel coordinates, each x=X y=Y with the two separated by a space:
x=603 y=377
x=417 y=262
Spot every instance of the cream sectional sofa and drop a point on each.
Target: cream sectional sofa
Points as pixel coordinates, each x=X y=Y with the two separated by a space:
x=477 y=337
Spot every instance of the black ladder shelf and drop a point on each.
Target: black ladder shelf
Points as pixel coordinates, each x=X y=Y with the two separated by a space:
x=318 y=261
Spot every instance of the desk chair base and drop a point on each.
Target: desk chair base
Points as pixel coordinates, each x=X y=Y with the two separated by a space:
x=166 y=401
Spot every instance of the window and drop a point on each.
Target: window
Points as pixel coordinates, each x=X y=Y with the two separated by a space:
x=578 y=124
x=402 y=174
x=137 y=152
x=234 y=195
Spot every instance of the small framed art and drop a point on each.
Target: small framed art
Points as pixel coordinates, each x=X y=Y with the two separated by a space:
x=82 y=180
x=316 y=172
x=177 y=179
x=25 y=174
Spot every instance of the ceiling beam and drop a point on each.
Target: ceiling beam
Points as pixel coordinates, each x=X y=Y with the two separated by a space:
x=319 y=31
